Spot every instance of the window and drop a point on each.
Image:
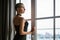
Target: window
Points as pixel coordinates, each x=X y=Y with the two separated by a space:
x=45 y=26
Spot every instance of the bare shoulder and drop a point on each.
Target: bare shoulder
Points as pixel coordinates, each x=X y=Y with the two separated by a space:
x=22 y=19
x=17 y=20
x=16 y=17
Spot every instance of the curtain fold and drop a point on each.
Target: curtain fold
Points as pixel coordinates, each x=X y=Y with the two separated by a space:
x=0 y=19
x=4 y=19
x=6 y=11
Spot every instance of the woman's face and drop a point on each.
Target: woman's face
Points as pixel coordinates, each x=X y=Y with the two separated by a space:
x=21 y=9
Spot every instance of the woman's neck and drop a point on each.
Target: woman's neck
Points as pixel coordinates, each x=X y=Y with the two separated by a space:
x=18 y=14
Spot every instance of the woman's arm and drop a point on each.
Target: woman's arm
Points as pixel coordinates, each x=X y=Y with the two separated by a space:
x=22 y=23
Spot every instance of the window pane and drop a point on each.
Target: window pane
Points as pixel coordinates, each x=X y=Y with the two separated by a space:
x=17 y=1
x=27 y=4
x=44 y=8
x=44 y=29
x=57 y=29
x=29 y=28
x=57 y=34
x=44 y=24
x=57 y=7
x=57 y=22
x=45 y=34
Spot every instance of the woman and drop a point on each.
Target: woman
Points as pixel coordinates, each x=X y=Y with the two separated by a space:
x=20 y=24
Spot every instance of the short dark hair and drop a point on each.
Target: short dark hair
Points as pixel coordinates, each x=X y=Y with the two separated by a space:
x=18 y=5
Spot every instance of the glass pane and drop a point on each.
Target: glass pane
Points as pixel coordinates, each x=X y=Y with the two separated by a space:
x=57 y=22
x=27 y=4
x=44 y=8
x=45 y=34
x=44 y=24
x=57 y=29
x=44 y=29
x=57 y=7
x=57 y=34
x=29 y=28
x=17 y=1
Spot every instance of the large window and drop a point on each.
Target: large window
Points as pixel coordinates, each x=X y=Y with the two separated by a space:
x=48 y=19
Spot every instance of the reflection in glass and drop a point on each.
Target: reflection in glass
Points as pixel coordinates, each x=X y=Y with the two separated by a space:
x=44 y=8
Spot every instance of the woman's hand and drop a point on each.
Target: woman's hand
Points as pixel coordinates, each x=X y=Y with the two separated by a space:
x=33 y=30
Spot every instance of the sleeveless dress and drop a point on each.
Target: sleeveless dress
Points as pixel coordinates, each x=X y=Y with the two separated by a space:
x=17 y=35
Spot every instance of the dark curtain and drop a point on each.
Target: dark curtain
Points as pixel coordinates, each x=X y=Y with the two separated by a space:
x=4 y=13
x=0 y=19
x=5 y=19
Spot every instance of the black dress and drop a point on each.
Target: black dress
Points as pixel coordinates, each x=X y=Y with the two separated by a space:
x=20 y=37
